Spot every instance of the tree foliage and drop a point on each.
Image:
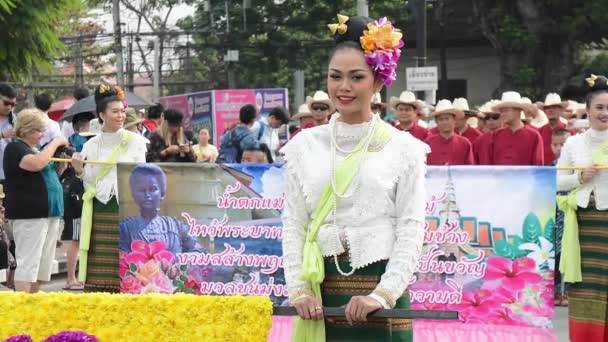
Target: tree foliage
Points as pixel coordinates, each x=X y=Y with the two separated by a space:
x=30 y=40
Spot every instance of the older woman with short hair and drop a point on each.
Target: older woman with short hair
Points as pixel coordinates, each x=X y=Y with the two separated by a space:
x=34 y=200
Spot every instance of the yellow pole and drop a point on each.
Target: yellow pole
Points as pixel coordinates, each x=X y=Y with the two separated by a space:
x=67 y=160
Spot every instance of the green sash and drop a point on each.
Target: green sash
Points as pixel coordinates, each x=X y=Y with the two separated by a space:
x=313 y=270
x=570 y=261
x=86 y=221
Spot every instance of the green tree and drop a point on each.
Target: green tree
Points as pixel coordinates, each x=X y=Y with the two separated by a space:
x=539 y=43
x=30 y=40
x=273 y=38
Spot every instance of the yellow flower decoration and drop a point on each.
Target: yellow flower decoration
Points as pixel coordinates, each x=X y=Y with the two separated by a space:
x=380 y=37
x=103 y=88
x=591 y=80
x=340 y=27
x=122 y=317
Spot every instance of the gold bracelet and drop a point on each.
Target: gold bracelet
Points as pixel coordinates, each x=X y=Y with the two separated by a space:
x=385 y=294
x=299 y=293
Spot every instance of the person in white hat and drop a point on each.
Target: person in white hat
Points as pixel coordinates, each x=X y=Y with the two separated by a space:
x=320 y=106
x=491 y=122
x=447 y=147
x=462 y=127
x=534 y=116
x=304 y=116
x=516 y=143
x=406 y=108
x=555 y=108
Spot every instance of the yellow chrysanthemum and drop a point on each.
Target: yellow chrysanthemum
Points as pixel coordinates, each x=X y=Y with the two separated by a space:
x=383 y=38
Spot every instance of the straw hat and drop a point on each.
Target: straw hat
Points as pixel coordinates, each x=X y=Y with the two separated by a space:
x=1 y=192
x=446 y=107
x=462 y=104
x=132 y=118
x=406 y=97
x=303 y=112
x=319 y=97
x=486 y=108
x=512 y=99
x=553 y=99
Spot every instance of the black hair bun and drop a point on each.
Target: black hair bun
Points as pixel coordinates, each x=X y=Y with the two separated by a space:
x=595 y=83
x=105 y=90
x=355 y=27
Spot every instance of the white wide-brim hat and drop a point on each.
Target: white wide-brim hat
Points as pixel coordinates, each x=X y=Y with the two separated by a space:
x=446 y=107
x=406 y=97
x=319 y=97
x=512 y=99
x=303 y=112
x=462 y=104
x=553 y=99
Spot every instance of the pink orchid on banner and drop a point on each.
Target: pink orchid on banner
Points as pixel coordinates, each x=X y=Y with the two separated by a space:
x=155 y=250
x=513 y=274
x=476 y=304
x=504 y=316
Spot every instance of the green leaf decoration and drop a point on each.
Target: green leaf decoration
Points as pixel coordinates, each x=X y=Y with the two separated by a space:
x=183 y=278
x=504 y=249
x=531 y=229
x=132 y=267
x=189 y=290
x=183 y=268
x=517 y=241
x=549 y=231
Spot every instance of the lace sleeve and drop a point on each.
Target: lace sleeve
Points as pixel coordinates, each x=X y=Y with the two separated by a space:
x=294 y=219
x=409 y=232
x=567 y=179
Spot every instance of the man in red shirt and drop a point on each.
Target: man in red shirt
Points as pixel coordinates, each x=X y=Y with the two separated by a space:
x=462 y=127
x=406 y=109
x=516 y=143
x=492 y=123
x=554 y=108
x=320 y=108
x=154 y=117
x=448 y=148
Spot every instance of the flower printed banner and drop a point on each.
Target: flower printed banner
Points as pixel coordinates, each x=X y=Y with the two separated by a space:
x=488 y=249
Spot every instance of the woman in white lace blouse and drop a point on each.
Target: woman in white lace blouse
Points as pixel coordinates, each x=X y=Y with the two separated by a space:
x=587 y=297
x=372 y=240
x=114 y=144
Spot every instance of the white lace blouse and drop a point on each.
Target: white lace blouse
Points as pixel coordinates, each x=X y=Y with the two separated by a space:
x=385 y=221
x=578 y=151
x=100 y=148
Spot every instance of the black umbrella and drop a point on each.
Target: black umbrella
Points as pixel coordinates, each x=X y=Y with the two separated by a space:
x=88 y=105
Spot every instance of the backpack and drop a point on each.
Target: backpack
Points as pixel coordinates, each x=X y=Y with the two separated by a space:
x=73 y=189
x=230 y=148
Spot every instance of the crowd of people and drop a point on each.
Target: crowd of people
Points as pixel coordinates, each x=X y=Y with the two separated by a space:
x=77 y=201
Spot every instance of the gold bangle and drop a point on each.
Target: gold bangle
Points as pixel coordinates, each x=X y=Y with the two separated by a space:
x=386 y=295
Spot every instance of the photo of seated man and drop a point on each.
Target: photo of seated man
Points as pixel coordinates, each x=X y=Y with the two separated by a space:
x=148 y=185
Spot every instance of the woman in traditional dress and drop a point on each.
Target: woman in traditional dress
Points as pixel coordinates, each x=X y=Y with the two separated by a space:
x=355 y=199
x=588 y=295
x=99 y=224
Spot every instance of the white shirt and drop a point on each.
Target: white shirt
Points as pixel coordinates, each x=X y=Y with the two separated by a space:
x=270 y=136
x=67 y=129
x=578 y=151
x=385 y=221
x=100 y=148
x=51 y=132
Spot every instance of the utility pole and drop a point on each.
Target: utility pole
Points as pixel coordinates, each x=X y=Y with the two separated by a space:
x=156 y=82
x=362 y=9
x=420 y=38
x=78 y=63
x=118 y=43
x=443 y=83
x=130 y=67
x=227 y=16
x=188 y=66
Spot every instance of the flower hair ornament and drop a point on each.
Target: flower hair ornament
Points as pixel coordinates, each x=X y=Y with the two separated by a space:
x=381 y=44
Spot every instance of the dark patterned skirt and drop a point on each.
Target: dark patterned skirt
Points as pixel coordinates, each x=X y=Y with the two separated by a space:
x=102 y=271
x=588 y=300
x=336 y=291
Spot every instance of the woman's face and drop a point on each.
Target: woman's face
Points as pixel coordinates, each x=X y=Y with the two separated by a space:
x=351 y=83
x=114 y=116
x=34 y=136
x=147 y=191
x=598 y=112
x=174 y=129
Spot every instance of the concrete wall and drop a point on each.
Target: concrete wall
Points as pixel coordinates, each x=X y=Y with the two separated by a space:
x=477 y=65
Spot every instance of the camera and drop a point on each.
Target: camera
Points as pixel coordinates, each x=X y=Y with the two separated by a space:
x=63 y=152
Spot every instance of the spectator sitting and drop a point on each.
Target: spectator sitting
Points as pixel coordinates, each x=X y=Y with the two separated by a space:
x=239 y=138
x=205 y=152
x=170 y=143
x=257 y=155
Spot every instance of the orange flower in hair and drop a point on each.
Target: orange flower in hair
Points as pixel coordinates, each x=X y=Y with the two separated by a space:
x=120 y=93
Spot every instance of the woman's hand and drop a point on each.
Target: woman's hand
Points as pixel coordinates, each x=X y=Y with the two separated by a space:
x=309 y=308
x=588 y=174
x=173 y=149
x=184 y=148
x=359 y=307
x=78 y=163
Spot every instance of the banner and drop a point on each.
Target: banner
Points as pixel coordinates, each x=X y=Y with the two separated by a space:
x=227 y=106
x=216 y=229
x=202 y=112
x=182 y=103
